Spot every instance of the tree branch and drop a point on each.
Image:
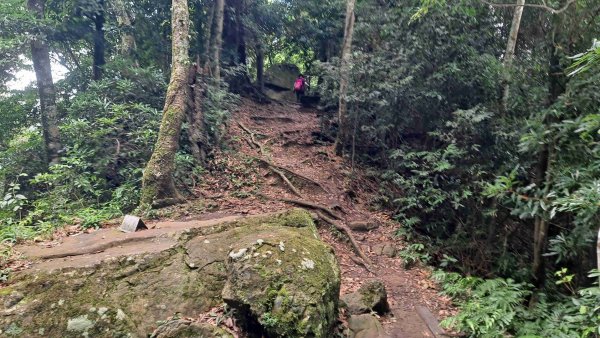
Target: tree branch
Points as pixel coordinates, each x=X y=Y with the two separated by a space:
x=544 y=6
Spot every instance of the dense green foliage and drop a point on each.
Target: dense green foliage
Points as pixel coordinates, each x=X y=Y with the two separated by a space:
x=471 y=183
x=471 y=180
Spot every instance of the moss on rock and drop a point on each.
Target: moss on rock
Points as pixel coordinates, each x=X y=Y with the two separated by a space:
x=288 y=283
x=126 y=296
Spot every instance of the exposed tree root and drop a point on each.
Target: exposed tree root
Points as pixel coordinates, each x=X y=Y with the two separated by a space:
x=293 y=173
x=343 y=228
x=275 y=168
x=286 y=180
x=312 y=205
x=322 y=211
x=252 y=138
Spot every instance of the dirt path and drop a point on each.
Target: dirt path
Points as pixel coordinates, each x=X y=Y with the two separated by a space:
x=286 y=135
x=240 y=184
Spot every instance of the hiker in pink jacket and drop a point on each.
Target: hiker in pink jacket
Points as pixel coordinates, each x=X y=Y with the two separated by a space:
x=299 y=87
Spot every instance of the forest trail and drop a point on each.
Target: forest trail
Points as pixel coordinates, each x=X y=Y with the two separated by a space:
x=263 y=140
x=290 y=139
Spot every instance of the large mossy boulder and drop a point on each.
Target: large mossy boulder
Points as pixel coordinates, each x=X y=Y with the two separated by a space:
x=129 y=295
x=281 y=76
x=285 y=281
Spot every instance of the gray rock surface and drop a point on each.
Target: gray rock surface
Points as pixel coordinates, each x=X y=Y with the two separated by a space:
x=281 y=76
x=122 y=294
x=371 y=296
x=365 y=326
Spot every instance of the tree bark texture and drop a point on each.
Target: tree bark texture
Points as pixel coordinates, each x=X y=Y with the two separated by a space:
x=541 y=225
x=344 y=128
x=197 y=135
x=40 y=55
x=216 y=54
x=260 y=67
x=509 y=54
x=158 y=186
x=125 y=22
x=99 y=42
x=209 y=37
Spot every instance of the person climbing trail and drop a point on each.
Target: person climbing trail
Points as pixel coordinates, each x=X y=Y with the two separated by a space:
x=299 y=87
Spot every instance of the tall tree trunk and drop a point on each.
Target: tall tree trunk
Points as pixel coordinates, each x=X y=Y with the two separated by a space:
x=99 y=42
x=216 y=59
x=40 y=54
x=545 y=158
x=197 y=128
x=158 y=186
x=240 y=8
x=260 y=67
x=509 y=54
x=208 y=37
x=540 y=231
x=128 y=46
x=344 y=127
x=598 y=250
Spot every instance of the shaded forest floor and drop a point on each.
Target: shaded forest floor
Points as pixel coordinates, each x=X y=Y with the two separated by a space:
x=262 y=140
x=290 y=140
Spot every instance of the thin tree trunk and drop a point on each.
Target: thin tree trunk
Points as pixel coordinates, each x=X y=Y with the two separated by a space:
x=216 y=59
x=128 y=45
x=197 y=129
x=598 y=251
x=343 y=131
x=158 y=186
x=509 y=54
x=260 y=67
x=99 y=42
x=546 y=155
x=240 y=8
x=208 y=36
x=540 y=232
x=40 y=55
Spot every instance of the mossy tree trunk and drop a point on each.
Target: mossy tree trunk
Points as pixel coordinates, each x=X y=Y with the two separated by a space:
x=40 y=55
x=344 y=127
x=158 y=186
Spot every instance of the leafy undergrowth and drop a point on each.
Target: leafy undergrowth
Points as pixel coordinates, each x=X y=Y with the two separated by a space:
x=108 y=133
x=498 y=307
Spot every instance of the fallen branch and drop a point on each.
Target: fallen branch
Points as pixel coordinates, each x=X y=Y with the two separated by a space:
x=343 y=228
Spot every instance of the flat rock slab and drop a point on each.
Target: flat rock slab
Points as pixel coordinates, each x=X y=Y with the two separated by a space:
x=92 y=248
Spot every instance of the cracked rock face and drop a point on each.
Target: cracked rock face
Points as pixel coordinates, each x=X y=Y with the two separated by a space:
x=126 y=296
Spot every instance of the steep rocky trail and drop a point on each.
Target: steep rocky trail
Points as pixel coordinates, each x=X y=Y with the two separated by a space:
x=273 y=156
x=287 y=137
